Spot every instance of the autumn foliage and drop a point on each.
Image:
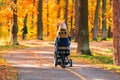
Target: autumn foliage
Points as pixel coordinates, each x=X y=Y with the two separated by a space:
x=49 y=23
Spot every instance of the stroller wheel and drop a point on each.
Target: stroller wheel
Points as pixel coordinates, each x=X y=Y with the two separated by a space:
x=70 y=62
x=55 y=61
x=63 y=61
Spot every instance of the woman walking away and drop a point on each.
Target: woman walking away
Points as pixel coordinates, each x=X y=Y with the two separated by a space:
x=24 y=32
x=63 y=39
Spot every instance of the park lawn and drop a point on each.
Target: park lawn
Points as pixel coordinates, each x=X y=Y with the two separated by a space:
x=105 y=62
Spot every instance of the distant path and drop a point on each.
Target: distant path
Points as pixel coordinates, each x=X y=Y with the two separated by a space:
x=37 y=64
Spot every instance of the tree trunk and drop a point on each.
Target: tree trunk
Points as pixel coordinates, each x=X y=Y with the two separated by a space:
x=39 y=21
x=25 y=31
x=10 y=39
x=71 y=22
x=47 y=18
x=103 y=19
x=110 y=34
x=25 y=19
x=76 y=22
x=116 y=31
x=32 y=21
x=66 y=12
x=15 y=26
x=58 y=11
x=83 y=42
x=95 y=28
x=0 y=26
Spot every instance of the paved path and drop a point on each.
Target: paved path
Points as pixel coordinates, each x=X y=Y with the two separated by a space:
x=37 y=64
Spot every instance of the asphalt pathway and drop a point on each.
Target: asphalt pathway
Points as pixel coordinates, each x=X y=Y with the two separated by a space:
x=37 y=64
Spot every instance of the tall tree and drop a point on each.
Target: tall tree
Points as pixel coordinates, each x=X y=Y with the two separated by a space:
x=116 y=31
x=15 y=25
x=103 y=19
x=76 y=22
x=95 y=27
x=32 y=21
x=39 y=21
x=66 y=12
x=71 y=21
x=25 y=31
x=47 y=1
x=25 y=20
x=0 y=24
x=58 y=11
x=83 y=41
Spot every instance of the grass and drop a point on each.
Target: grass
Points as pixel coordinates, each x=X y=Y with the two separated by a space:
x=100 y=39
x=11 y=47
x=105 y=61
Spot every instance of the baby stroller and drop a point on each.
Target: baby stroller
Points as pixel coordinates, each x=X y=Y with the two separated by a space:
x=62 y=50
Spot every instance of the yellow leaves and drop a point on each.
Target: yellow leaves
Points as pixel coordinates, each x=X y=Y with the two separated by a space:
x=2 y=62
x=2 y=2
x=7 y=73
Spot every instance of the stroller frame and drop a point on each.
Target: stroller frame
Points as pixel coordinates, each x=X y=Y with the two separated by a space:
x=62 y=59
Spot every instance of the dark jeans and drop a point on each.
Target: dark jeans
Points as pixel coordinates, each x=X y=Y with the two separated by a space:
x=23 y=36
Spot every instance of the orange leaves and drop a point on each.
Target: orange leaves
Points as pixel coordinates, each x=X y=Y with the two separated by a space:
x=5 y=15
x=49 y=20
x=91 y=8
x=27 y=6
x=62 y=3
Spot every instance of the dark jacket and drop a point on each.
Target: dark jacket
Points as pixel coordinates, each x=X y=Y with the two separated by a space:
x=62 y=42
x=25 y=30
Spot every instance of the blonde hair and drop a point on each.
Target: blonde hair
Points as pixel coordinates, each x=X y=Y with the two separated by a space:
x=62 y=26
